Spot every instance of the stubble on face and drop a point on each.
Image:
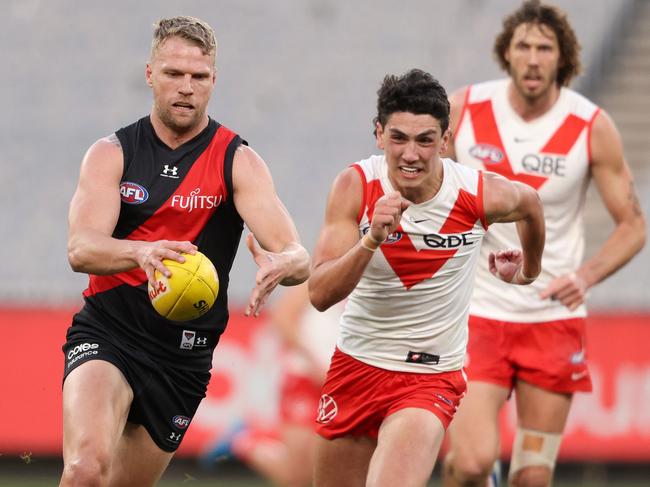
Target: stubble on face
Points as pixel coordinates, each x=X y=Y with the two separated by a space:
x=534 y=80
x=178 y=124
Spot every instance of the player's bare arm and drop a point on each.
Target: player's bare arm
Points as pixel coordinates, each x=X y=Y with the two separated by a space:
x=274 y=241
x=93 y=214
x=510 y=201
x=341 y=256
x=457 y=104
x=615 y=184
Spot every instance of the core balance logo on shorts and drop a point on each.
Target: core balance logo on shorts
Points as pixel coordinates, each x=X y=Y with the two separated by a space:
x=133 y=194
x=327 y=409
x=181 y=422
x=81 y=351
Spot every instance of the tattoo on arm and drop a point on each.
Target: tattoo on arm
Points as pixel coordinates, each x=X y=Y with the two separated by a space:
x=114 y=140
x=634 y=200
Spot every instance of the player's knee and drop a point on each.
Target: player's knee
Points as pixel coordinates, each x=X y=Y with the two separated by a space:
x=533 y=458
x=470 y=470
x=87 y=471
x=534 y=476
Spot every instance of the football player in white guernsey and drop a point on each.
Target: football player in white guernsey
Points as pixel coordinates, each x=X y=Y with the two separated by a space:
x=401 y=240
x=530 y=127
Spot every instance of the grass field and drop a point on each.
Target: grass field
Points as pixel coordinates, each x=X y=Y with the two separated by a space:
x=186 y=473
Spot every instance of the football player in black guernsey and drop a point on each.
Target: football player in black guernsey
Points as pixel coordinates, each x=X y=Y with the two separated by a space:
x=175 y=181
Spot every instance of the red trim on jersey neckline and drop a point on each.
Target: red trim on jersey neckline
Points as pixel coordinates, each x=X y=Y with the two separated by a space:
x=158 y=226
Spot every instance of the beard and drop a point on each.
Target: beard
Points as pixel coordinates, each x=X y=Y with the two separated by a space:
x=178 y=124
x=546 y=85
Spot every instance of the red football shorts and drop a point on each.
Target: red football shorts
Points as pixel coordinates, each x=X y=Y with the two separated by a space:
x=299 y=396
x=550 y=355
x=357 y=397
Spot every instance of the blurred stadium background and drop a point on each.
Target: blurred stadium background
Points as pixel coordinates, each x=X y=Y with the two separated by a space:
x=297 y=79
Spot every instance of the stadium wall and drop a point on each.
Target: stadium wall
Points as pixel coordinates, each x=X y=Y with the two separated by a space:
x=612 y=424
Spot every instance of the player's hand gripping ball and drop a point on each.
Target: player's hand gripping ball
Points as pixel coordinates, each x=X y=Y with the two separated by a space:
x=190 y=291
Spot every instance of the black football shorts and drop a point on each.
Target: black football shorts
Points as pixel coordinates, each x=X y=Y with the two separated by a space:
x=164 y=398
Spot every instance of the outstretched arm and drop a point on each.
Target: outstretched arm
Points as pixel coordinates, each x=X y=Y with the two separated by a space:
x=94 y=211
x=510 y=201
x=616 y=187
x=274 y=242
x=341 y=256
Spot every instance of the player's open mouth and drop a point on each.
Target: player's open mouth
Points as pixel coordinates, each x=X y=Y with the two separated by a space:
x=410 y=171
x=183 y=106
x=532 y=80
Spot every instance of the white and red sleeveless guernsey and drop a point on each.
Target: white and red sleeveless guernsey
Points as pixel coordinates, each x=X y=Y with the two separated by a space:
x=409 y=311
x=551 y=154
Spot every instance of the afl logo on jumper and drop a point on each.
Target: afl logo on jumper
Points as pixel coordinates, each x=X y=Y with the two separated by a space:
x=132 y=193
x=486 y=153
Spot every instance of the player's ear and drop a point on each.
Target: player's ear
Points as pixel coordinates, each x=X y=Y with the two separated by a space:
x=147 y=75
x=379 y=135
x=444 y=141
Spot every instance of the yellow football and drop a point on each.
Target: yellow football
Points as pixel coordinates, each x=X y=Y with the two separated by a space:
x=190 y=291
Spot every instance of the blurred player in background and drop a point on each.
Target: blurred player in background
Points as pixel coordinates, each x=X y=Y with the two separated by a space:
x=284 y=452
x=173 y=182
x=531 y=128
x=401 y=237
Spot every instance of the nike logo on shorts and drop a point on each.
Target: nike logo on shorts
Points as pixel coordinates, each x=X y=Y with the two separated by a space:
x=578 y=375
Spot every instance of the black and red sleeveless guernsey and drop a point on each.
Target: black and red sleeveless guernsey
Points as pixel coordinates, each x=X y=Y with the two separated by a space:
x=179 y=194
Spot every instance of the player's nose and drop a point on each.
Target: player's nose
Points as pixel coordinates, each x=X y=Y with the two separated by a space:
x=186 y=87
x=410 y=153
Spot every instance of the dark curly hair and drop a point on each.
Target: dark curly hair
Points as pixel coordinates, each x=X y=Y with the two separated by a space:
x=535 y=12
x=416 y=92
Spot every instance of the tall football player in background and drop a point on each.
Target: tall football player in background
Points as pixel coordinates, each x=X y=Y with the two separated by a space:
x=174 y=181
x=531 y=128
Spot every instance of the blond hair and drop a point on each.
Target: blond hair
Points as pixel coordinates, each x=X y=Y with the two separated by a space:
x=190 y=28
